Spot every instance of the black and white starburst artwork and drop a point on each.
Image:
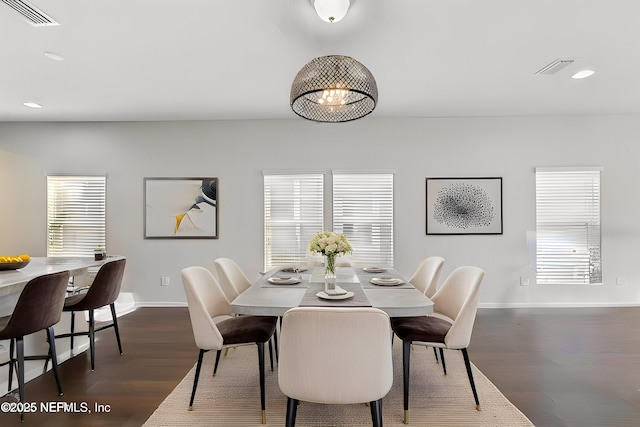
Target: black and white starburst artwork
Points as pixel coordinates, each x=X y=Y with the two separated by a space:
x=463 y=206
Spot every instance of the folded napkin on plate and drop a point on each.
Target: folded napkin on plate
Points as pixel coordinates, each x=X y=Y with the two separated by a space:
x=294 y=270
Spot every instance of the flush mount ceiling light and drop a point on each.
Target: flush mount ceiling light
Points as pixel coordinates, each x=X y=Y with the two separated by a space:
x=333 y=89
x=331 y=10
x=583 y=74
x=32 y=105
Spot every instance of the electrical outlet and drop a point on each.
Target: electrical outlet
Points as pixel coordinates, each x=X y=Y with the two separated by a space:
x=164 y=281
x=621 y=281
x=524 y=281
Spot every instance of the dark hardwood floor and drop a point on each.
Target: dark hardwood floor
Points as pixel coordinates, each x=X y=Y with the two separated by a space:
x=560 y=367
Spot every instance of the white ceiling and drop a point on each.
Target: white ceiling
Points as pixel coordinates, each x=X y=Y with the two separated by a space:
x=139 y=60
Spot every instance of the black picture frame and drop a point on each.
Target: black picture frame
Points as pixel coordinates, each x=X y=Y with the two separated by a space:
x=464 y=205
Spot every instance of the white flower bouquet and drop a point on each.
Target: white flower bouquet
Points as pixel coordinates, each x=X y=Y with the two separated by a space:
x=331 y=245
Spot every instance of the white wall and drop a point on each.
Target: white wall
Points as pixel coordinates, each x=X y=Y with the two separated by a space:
x=238 y=151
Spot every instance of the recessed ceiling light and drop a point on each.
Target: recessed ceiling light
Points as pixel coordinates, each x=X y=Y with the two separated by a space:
x=583 y=74
x=54 y=56
x=32 y=105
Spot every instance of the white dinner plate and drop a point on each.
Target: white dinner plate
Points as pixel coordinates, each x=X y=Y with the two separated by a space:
x=386 y=282
x=374 y=269
x=324 y=295
x=283 y=280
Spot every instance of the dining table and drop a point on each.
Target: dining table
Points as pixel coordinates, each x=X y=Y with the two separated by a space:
x=281 y=289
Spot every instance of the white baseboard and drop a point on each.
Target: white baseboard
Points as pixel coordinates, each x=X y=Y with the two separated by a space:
x=556 y=305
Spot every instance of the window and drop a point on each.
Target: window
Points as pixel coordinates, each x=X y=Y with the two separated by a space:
x=76 y=215
x=363 y=211
x=293 y=212
x=568 y=226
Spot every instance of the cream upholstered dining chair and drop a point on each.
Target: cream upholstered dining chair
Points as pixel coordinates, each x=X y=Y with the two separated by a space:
x=234 y=282
x=449 y=327
x=39 y=307
x=335 y=356
x=425 y=278
x=231 y=276
x=208 y=304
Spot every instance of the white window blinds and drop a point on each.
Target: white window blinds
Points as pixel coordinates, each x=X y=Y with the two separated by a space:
x=76 y=215
x=293 y=212
x=363 y=211
x=568 y=226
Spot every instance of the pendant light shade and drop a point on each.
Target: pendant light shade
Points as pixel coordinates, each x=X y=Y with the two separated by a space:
x=333 y=89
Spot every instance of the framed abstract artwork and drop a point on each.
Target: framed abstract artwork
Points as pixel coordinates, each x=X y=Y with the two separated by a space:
x=181 y=208
x=464 y=205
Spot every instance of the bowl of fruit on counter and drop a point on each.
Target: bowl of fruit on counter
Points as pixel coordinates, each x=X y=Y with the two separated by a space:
x=14 y=262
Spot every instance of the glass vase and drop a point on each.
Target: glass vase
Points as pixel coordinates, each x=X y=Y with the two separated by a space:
x=330 y=274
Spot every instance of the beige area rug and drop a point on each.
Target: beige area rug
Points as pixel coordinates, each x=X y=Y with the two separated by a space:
x=232 y=397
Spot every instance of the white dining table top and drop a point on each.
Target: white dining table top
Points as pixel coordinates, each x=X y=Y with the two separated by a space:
x=276 y=300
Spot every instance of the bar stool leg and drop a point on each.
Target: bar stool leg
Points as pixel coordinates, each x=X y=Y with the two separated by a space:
x=92 y=342
x=54 y=358
x=73 y=325
x=115 y=325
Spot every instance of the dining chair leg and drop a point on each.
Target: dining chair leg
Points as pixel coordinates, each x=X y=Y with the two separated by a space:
x=271 y=355
x=115 y=326
x=435 y=353
x=275 y=341
x=376 y=412
x=262 y=386
x=406 y=356
x=195 y=379
x=292 y=407
x=467 y=364
x=215 y=366
x=54 y=358
x=444 y=366
x=92 y=340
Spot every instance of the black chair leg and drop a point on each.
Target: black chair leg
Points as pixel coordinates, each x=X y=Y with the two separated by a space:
x=467 y=363
x=444 y=366
x=262 y=392
x=195 y=379
x=54 y=358
x=92 y=340
x=292 y=407
x=20 y=370
x=435 y=353
x=271 y=355
x=376 y=412
x=115 y=326
x=12 y=363
x=20 y=366
x=215 y=367
x=275 y=341
x=73 y=327
x=406 y=357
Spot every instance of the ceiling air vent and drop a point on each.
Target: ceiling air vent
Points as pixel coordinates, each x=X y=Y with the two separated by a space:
x=32 y=14
x=556 y=66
